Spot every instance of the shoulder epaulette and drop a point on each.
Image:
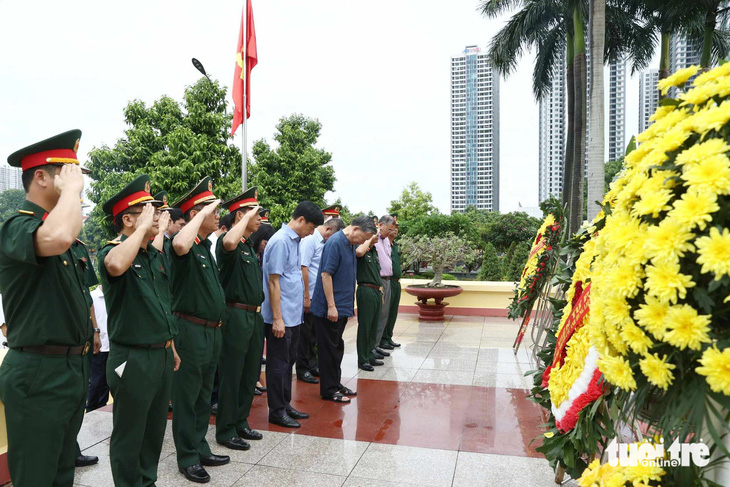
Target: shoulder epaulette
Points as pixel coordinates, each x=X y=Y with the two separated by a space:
x=113 y=242
x=82 y=243
x=26 y=212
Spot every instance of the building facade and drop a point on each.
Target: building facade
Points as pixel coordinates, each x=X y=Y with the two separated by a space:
x=648 y=97
x=552 y=127
x=10 y=178
x=616 y=140
x=474 y=131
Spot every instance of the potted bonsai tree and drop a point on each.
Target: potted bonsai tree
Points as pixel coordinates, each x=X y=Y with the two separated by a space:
x=443 y=252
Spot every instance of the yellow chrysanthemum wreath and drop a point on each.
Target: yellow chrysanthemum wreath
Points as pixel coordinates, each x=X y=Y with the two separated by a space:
x=661 y=277
x=597 y=475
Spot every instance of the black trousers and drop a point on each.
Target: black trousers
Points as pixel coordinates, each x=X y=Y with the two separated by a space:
x=281 y=355
x=307 y=355
x=98 y=394
x=331 y=349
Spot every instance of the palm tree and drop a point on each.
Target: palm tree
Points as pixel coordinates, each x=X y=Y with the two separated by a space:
x=548 y=27
x=595 y=163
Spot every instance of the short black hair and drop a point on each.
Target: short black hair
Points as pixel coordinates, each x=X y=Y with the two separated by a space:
x=227 y=221
x=311 y=212
x=265 y=232
x=117 y=221
x=175 y=214
x=187 y=213
x=27 y=176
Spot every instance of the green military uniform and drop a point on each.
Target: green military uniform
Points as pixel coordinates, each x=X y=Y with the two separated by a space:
x=199 y=304
x=45 y=375
x=83 y=260
x=369 y=304
x=239 y=367
x=141 y=328
x=395 y=292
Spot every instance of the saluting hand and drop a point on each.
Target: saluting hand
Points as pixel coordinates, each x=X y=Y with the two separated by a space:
x=146 y=218
x=208 y=209
x=69 y=178
x=252 y=213
x=163 y=222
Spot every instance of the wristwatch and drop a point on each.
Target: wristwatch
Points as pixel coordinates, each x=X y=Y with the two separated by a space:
x=97 y=331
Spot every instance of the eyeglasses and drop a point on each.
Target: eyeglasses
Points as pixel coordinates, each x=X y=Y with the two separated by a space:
x=157 y=213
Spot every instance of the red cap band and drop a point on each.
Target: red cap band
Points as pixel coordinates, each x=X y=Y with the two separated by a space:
x=41 y=158
x=130 y=200
x=241 y=203
x=197 y=199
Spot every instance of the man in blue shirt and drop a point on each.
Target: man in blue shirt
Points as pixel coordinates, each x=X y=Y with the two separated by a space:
x=282 y=310
x=334 y=302
x=310 y=250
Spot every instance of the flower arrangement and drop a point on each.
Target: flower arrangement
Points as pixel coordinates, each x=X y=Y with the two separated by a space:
x=537 y=268
x=597 y=475
x=661 y=274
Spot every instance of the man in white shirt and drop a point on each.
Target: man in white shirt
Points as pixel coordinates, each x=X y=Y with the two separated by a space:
x=98 y=388
x=310 y=252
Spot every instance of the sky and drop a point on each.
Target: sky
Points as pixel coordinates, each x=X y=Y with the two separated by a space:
x=376 y=75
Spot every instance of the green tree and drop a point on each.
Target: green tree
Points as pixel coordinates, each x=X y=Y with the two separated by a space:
x=413 y=203
x=438 y=225
x=175 y=143
x=294 y=171
x=551 y=205
x=10 y=201
x=515 y=266
x=442 y=253
x=491 y=269
x=511 y=228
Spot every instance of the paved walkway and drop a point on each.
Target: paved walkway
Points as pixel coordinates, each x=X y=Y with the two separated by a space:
x=448 y=408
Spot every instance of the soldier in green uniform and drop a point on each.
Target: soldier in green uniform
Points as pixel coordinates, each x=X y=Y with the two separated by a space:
x=199 y=304
x=395 y=290
x=239 y=367
x=45 y=374
x=369 y=302
x=142 y=356
x=83 y=260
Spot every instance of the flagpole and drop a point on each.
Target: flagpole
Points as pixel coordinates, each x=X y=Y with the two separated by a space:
x=244 y=55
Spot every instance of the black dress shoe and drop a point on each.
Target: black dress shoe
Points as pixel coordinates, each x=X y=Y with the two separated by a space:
x=293 y=413
x=85 y=461
x=386 y=346
x=367 y=367
x=257 y=392
x=315 y=372
x=214 y=409
x=249 y=434
x=195 y=473
x=382 y=352
x=308 y=378
x=236 y=443
x=376 y=354
x=215 y=460
x=261 y=389
x=376 y=362
x=286 y=421
x=393 y=344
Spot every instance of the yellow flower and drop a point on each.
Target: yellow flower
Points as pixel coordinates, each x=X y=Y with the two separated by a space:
x=625 y=279
x=711 y=174
x=677 y=79
x=661 y=112
x=698 y=94
x=695 y=208
x=617 y=372
x=635 y=338
x=719 y=72
x=657 y=370
x=674 y=138
x=652 y=316
x=643 y=474
x=716 y=367
x=714 y=252
x=652 y=203
x=664 y=281
x=698 y=152
x=710 y=118
x=668 y=241
x=686 y=328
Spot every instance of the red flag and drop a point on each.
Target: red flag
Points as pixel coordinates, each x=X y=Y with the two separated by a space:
x=241 y=74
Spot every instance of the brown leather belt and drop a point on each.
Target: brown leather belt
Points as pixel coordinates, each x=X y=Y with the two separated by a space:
x=370 y=285
x=245 y=307
x=386 y=277
x=166 y=344
x=198 y=321
x=56 y=349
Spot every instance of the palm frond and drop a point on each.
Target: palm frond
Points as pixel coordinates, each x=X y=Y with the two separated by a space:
x=552 y=49
x=495 y=8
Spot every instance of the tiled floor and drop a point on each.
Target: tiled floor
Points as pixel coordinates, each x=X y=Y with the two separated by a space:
x=448 y=408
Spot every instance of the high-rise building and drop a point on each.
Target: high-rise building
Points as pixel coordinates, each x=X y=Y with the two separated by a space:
x=683 y=52
x=474 y=131
x=616 y=140
x=552 y=135
x=648 y=97
x=10 y=178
